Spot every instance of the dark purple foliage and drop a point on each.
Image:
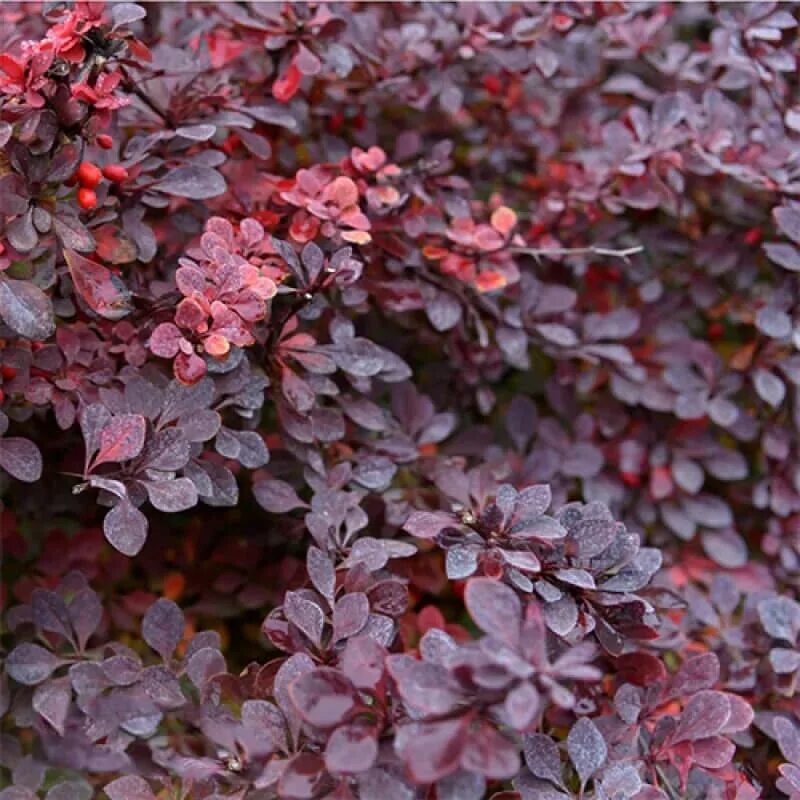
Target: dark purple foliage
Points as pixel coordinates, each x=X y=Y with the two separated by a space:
x=399 y=401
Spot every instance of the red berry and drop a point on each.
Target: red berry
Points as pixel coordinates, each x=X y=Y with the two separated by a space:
x=116 y=173
x=753 y=236
x=89 y=174
x=105 y=141
x=8 y=372
x=87 y=199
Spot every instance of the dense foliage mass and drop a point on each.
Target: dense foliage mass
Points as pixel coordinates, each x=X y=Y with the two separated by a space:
x=400 y=401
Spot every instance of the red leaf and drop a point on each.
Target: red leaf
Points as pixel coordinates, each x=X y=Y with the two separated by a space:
x=122 y=439
x=285 y=87
x=101 y=290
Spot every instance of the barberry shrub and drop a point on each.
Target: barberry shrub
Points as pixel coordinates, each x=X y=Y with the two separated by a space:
x=400 y=401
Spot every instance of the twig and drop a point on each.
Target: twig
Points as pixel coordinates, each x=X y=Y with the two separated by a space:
x=545 y=252
x=665 y=783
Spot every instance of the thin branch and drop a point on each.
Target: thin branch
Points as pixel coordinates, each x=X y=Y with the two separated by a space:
x=544 y=252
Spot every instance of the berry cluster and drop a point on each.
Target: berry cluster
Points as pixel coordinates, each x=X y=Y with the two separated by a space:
x=89 y=176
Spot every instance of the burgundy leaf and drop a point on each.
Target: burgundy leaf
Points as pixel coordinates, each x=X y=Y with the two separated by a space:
x=121 y=439
x=351 y=748
x=324 y=697
x=98 y=287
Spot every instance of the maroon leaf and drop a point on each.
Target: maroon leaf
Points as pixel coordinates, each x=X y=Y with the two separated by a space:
x=351 y=748
x=303 y=778
x=432 y=750
x=324 y=697
x=121 y=439
x=101 y=290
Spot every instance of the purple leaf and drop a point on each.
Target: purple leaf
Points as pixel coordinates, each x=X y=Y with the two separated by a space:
x=51 y=701
x=788 y=221
x=50 y=613
x=324 y=697
x=322 y=572
x=31 y=664
x=461 y=562
x=350 y=615
x=495 y=609
x=542 y=757
x=305 y=614
x=586 y=747
x=432 y=750
x=168 y=450
x=303 y=777
x=26 y=309
x=21 y=459
x=788 y=737
x=204 y=665
x=172 y=496
x=129 y=787
x=488 y=752
x=522 y=706
x=351 y=749
x=194 y=182
x=121 y=439
x=785 y=255
x=780 y=617
x=72 y=233
x=363 y=661
x=126 y=528
x=85 y=613
x=705 y=715
x=267 y=721
x=696 y=673
x=124 y=14
x=533 y=501
x=427 y=524
x=162 y=627
x=277 y=496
